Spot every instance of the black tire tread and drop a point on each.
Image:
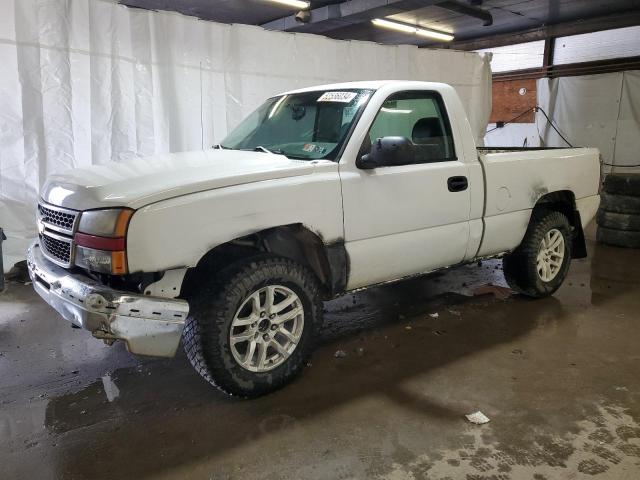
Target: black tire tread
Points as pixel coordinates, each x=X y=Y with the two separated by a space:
x=520 y=265
x=622 y=184
x=209 y=305
x=620 y=203
x=618 y=238
x=618 y=221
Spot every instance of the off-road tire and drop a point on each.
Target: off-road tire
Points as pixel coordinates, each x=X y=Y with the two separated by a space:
x=618 y=221
x=213 y=306
x=622 y=184
x=618 y=238
x=519 y=266
x=620 y=203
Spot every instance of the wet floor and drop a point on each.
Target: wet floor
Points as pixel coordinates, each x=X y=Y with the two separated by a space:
x=558 y=378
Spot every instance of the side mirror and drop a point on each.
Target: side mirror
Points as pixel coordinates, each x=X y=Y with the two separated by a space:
x=387 y=152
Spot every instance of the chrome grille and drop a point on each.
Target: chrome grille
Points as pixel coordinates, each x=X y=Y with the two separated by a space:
x=57 y=226
x=57 y=248
x=57 y=218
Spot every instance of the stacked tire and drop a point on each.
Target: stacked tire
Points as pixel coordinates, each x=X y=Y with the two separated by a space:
x=619 y=215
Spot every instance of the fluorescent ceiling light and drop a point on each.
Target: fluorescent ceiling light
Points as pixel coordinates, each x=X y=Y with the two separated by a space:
x=401 y=27
x=424 y=32
x=412 y=29
x=293 y=3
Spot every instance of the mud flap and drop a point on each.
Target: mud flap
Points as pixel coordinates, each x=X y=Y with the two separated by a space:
x=578 y=243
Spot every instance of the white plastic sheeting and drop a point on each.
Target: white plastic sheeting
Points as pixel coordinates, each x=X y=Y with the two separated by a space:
x=600 y=111
x=89 y=81
x=512 y=135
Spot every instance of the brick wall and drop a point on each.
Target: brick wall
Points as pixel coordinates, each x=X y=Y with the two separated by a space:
x=509 y=102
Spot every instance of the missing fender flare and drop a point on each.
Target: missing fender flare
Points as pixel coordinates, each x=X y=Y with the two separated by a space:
x=339 y=266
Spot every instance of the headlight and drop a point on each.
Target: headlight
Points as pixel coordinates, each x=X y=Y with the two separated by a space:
x=100 y=240
x=112 y=222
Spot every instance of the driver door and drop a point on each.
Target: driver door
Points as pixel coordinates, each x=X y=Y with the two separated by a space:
x=407 y=219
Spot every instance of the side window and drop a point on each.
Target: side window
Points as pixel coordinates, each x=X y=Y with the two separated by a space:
x=421 y=117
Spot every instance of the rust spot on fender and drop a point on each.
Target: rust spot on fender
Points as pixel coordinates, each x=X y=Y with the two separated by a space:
x=538 y=191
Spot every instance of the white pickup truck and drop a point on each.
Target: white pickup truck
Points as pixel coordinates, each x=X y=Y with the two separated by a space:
x=320 y=191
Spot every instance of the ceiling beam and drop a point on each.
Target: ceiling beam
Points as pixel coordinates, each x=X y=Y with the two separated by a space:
x=469 y=10
x=331 y=17
x=572 y=69
x=617 y=20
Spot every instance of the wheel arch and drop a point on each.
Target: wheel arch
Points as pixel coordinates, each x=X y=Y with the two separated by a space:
x=328 y=261
x=564 y=201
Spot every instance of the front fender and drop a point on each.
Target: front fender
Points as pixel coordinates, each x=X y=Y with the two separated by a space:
x=178 y=232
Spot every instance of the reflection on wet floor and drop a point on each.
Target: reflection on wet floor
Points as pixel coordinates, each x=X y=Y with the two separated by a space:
x=392 y=406
x=612 y=273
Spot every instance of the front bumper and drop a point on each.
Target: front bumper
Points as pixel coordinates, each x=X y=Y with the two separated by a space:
x=148 y=325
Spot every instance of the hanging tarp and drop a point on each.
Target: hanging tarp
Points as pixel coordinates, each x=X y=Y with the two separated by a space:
x=600 y=111
x=90 y=81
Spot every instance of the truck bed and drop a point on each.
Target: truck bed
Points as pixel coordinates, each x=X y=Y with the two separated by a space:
x=515 y=178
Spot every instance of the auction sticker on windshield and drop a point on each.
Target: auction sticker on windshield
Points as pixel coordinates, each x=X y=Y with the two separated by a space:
x=344 y=97
x=310 y=147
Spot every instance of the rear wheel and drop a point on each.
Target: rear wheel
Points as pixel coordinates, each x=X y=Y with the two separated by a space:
x=540 y=264
x=251 y=329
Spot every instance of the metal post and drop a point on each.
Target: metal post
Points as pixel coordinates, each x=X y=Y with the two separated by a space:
x=2 y=237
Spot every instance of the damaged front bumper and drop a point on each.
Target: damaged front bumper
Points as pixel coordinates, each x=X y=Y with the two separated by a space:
x=148 y=325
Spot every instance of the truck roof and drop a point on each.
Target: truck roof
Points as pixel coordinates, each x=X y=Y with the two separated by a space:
x=367 y=84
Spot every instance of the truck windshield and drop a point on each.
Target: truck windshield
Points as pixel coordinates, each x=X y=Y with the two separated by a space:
x=309 y=125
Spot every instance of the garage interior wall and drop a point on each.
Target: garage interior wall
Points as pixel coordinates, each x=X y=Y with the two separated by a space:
x=600 y=111
x=510 y=99
x=88 y=81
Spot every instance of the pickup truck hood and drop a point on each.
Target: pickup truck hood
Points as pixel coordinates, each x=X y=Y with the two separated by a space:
x=148 y=180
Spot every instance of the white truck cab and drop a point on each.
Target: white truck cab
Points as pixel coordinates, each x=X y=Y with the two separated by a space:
x=320 y=191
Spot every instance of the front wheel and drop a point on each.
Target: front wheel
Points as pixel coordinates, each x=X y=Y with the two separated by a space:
x=251 y=328
x=540 y=264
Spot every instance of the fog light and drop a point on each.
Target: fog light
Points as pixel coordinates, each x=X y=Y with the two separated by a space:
x=102 y=261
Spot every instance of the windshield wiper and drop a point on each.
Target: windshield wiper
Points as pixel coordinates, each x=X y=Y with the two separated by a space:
x=260 y=148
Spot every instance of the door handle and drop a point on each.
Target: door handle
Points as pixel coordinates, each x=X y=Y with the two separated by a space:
x=457 y=184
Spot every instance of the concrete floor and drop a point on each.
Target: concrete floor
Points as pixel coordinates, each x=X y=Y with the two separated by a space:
x=559 y=379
